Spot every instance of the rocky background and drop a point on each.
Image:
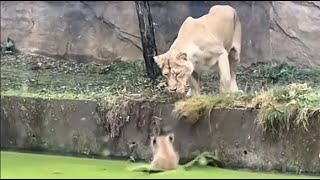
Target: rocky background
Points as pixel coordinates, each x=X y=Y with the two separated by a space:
x=108 y=31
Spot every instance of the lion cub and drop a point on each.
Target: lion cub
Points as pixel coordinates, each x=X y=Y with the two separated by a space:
x=164 y=155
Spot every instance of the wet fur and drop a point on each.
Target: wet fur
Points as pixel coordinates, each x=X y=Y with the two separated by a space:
x=164 y=155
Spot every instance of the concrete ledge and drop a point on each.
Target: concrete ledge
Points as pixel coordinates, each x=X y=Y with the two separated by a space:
x=76 y=126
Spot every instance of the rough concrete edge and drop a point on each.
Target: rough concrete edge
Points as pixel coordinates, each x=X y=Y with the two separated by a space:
x=99 y=156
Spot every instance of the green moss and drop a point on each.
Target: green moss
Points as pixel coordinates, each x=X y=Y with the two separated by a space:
x=45 y=166
x=261 y=76
x=31 y=75
x=22 y=75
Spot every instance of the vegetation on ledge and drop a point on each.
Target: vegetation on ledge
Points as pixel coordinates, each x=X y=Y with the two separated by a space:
x=35 y=75
x=39 y=76
x=266 y=86
x=280 y=108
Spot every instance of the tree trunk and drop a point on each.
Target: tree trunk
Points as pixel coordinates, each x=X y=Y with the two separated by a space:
x=147 y=38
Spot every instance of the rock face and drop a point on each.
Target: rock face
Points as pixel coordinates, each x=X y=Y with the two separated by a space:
x=295 y=32
x=74 y=29
x=107 y=31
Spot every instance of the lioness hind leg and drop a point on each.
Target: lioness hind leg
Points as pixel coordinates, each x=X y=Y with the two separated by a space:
x=234 y=54
x=225 y=77
x=234 y=60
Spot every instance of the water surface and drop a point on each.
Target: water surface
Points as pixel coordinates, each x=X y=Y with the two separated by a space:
x=26 y=165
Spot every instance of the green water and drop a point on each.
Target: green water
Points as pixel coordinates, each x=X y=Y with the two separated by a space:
x=23 y=165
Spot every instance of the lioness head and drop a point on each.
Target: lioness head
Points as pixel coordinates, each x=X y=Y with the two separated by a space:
x=177 y=69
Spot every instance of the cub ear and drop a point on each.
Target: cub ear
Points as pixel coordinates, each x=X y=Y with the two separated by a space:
x=159 y=61
x=153 y=140
x=171 y=137
x=182 y=56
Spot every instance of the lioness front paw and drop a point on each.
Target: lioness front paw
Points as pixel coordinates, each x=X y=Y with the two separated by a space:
x=191 y=93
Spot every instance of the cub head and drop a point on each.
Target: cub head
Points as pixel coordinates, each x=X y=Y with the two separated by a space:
x=176 y=68
x=162 y=141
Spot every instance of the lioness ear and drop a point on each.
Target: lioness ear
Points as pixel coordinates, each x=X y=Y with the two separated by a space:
x=159 y=61
x=182 y=56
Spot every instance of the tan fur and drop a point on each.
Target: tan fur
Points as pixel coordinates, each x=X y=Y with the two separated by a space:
x=164 y=155
x=201 y=44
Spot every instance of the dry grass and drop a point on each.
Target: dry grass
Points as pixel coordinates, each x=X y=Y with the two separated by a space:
x=280 y=108
x=194 y=108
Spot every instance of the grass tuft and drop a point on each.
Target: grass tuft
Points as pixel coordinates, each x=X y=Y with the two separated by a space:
x=280 y=108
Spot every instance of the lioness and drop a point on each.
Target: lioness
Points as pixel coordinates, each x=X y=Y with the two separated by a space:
x=201 y=44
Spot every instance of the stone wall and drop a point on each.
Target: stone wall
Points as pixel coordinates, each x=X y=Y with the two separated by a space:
x=108 y=31
x=74 y=126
